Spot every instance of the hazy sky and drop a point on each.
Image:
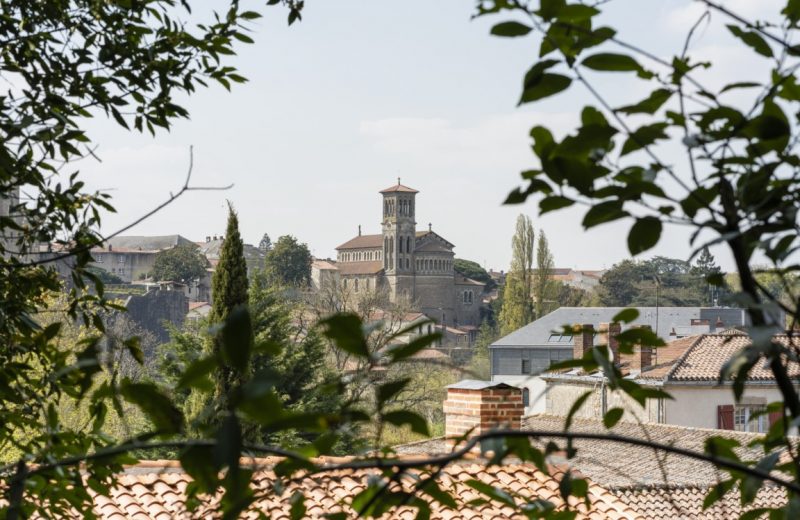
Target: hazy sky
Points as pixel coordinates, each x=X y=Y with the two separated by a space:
x=361 y=92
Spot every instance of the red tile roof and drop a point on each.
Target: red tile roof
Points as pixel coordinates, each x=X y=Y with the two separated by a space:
x=157 y=490
x=351 y=268
x=705 y=359
x=363 y=242
x=399 y=188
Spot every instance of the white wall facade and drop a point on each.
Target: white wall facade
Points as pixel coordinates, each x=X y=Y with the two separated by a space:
x=696 y=406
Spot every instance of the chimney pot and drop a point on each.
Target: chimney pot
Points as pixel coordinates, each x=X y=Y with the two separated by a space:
x=208 y=239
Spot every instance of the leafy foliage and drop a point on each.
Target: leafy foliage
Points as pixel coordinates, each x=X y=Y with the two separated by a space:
x=182 y=263
x=518 y=308
x=289 y=263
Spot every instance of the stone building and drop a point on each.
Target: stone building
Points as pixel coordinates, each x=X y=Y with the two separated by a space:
x=411 y=265
x=131 y=258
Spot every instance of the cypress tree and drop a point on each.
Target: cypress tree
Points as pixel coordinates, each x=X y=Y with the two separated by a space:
x=229 y=291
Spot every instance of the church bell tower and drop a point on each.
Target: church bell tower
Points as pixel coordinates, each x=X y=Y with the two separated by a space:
x=399 y=235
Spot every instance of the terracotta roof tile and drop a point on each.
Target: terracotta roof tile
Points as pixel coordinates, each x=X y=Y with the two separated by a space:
x=351 y=268
x=399 y=188
x=704 y=360
x=148 y=492
x=363 y=242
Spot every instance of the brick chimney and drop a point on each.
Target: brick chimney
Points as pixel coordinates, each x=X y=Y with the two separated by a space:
x=608 y=336
x=479 y=406
x=583 y=339
x=642 y=357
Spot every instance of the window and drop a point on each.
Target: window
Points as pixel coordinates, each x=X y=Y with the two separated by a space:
x=121 y=259
x=526 y=397
x=526 y=366
x=408 y=244
x=750 y=418
x=99 y=259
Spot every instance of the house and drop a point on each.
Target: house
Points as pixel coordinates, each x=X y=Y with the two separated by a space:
x=198 y=311
x=131 y=258
x=624 y=481
x=580 y=279
x=654 y=484
x=521 y=356
x=212 y=248
x=688 y=369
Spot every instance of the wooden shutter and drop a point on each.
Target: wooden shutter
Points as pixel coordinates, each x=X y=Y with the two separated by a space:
x=725 y=417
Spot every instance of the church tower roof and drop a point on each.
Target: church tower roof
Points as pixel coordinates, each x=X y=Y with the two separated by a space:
x=399 y=188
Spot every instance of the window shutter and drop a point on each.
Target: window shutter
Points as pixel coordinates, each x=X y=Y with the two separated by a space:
x=725 y=417
x=775 y=417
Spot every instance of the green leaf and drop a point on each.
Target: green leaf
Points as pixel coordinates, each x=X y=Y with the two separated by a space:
x=613 y=62
x=644 y=136
x=612 y=417
x=159 y=408
x=752 y=39
x=539 y=84
x=400 y=352
x=432 y=489
x=196 y=374
x=625 y=316
x=604 y=212
x=298 y=506
x=402 y=417
x=644 y=234
x=649 y=105
x=386 y=391
x=510 y=29
x=198 y=462
x=347 y=334
x=553 y=203
x=134 y=347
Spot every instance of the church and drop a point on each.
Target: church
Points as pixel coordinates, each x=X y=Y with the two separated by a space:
x=415 y=266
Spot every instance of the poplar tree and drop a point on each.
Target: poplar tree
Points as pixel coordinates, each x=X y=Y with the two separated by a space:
x=229 y=293
x=543 y=286
x=517 y=309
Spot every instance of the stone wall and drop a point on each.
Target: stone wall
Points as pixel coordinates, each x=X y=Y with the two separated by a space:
x=562 y=394
x=152 y=309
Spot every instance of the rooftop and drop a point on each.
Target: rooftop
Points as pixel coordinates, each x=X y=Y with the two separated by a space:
x=399 y=188
x=547 y=330
x=363 y=242
x=157 y=490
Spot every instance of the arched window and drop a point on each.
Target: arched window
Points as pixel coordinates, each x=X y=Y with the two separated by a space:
x=408 y=244
x=400 y=245
x=526 y=397
x=391 y=252
x=408 y=263
x=386 y=253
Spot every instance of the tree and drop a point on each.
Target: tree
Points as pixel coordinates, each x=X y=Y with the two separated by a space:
x=517 y=309
x=474 y=271
x=657 y=281
x=289 y=263
x=69 y=61
x=543 y=286
x=229 y=294
x=266 y=244
x=182 y=263
x=734 y=186
x=705 y=267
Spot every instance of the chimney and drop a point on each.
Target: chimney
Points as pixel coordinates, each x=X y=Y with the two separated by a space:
x=480 y=406
x=359 y=230
x=583 y=339
x=208 y=239
x=642 y=355
x=613 y=342
x=110 y=248
x=719 y=324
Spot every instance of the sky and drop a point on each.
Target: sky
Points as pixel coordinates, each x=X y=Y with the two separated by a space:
x=359 y=93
